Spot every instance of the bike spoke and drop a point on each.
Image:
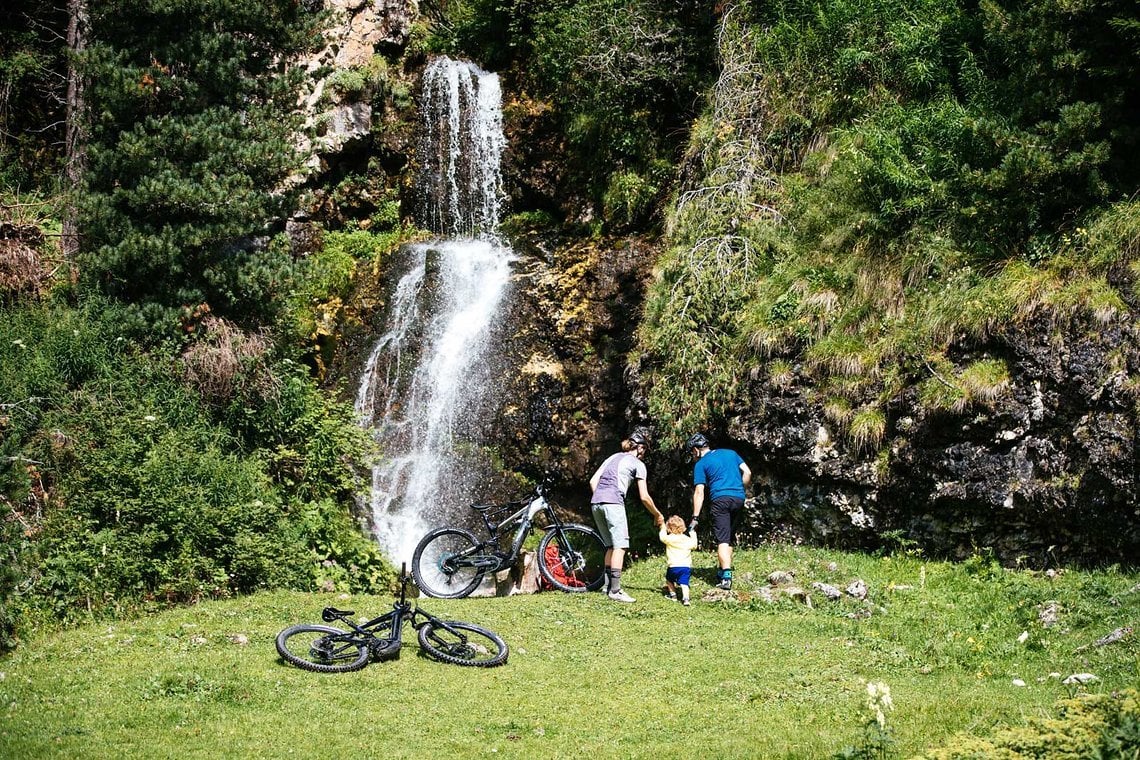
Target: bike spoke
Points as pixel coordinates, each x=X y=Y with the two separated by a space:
x=443 y=564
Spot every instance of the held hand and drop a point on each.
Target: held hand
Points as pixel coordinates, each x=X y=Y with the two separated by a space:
x=658 y=519
x=692 y=525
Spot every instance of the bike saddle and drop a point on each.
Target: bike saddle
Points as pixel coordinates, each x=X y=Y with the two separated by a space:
x=329 y=614
x=484 y=507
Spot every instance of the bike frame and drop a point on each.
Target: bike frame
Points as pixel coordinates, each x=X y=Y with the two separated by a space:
x=525 y=519
x=402 y=612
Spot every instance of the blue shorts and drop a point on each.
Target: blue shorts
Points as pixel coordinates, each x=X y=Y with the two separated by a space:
x=678 y=575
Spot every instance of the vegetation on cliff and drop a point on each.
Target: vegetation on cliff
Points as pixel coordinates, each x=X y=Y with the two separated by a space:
x=874 y=183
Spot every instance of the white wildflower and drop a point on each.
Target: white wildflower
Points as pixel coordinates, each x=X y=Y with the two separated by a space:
x=878 y=700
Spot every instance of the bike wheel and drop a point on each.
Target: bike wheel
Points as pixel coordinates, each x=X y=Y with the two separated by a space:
x=572 y=558
x=316 y=648
x=435 y=575
x=462 y=644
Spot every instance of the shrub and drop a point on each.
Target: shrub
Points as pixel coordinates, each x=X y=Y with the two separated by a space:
x=126 y=486
x=1091 y=725
x=868 y=426
x=347 y=84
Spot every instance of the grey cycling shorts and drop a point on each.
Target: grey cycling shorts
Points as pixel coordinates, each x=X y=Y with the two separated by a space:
x=612 y=524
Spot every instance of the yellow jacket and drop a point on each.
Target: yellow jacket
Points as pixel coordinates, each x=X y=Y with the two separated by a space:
x=678 y=547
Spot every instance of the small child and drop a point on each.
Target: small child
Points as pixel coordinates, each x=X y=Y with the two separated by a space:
x=678 y=556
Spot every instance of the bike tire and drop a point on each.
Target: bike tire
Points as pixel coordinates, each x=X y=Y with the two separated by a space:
x=427 y=564
x=473 y=646
x=579 y=562
x=305 y=646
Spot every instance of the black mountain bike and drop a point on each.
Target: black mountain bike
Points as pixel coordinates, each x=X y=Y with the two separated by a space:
x=325 y=649
x=451 y=562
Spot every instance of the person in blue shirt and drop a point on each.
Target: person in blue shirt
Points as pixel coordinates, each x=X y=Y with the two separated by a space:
x=720 y=477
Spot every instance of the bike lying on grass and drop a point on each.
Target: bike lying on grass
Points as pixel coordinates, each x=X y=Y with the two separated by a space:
x=451 y=562
x=325 y=649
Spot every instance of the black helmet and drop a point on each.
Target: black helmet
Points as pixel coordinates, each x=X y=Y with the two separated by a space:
x=697 y=441
x=638 y=438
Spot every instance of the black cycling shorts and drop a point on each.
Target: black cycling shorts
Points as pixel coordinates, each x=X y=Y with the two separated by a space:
x=726 y=512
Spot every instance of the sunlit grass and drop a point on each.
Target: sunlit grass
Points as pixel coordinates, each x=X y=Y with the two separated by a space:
x=589 y=677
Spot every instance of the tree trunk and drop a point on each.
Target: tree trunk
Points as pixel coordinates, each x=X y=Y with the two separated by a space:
x=76 y=143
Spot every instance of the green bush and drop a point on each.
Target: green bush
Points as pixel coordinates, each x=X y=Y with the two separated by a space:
x=1091 y=725
x=128 y=487
x=347 y=84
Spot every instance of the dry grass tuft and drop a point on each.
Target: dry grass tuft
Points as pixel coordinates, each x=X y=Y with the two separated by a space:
x=229 y=361
x=22 y=270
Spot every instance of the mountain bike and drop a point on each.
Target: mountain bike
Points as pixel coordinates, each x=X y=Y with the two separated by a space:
x=324 y=649
x=451 y=562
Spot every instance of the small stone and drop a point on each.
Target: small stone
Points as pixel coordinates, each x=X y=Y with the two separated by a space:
x=197 y=640
x=1049 y=614
x=1023 y=637
x=1018 y=682
x=797 y=593
x=781 y=577
x=240 y=639
x=829 y=591
x=1080 y=678
x=857 y=589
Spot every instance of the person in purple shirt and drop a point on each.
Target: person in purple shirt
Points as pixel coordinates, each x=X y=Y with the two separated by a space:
x=720 y=476
x=609 y=484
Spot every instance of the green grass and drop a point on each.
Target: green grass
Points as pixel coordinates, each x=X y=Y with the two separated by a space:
x=588 y=677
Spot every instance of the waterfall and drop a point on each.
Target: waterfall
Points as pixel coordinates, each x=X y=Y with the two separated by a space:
x=459 y=179
x=425 y=389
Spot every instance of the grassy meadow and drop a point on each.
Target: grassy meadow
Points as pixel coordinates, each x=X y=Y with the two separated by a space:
x=588 y=677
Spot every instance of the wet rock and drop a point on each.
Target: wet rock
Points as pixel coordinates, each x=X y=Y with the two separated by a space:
x=1042 y=472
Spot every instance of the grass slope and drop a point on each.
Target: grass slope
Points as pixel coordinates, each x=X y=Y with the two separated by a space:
x=588 y=677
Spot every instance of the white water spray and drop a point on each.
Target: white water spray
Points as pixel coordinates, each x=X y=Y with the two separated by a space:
x=424 y=390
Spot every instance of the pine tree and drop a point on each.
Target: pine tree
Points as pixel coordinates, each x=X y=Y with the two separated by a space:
x=190 y=140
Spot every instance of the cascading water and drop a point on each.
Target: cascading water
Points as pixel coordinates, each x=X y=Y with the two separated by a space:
x=425 y=387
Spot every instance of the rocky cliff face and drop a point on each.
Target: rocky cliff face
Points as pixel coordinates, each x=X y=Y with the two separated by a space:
x=1045 y=473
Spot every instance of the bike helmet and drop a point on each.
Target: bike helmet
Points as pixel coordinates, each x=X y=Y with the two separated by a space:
x=697 y=441
x=639 y=438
